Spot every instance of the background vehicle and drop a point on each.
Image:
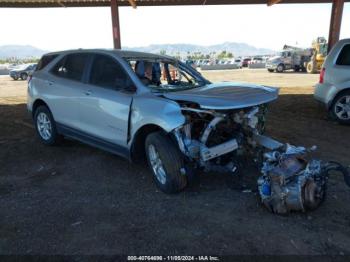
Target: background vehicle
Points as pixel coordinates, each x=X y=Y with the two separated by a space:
x=238 y=62
x=245 y=62
x=22 y=71
x=256 y=60
x=319 y=53
x=289 y=58
x=333 y=88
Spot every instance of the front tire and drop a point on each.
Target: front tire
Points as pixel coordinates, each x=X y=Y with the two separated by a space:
x=340 y=109
x=166 y=163
x=24 y=76
x=45 y=126
x=310 y=68
x=270 y=70
x=280 y=68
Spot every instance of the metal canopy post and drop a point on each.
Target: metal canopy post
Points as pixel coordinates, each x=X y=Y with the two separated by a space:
x=115 y=24
x=335 y=24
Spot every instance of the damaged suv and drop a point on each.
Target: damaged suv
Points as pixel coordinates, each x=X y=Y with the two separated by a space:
x=138 y=104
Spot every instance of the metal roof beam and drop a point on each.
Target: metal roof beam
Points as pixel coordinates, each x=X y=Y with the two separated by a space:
x=132 y=3
x=335 y=23
x=272 y=2
x=86 y=3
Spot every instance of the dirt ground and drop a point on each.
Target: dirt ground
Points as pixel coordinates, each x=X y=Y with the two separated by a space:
x=75 y=199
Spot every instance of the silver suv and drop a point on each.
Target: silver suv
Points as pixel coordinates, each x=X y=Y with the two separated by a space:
x=333 y=88
x=138 y=104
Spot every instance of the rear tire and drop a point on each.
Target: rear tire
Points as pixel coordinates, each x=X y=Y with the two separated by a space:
x=166 y=163
x=45 y=126
x=340 y=109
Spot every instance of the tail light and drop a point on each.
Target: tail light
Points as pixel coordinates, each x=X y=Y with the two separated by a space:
x=323 y=71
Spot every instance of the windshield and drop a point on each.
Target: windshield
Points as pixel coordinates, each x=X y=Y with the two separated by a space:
x=284 y=53
x=166 y=75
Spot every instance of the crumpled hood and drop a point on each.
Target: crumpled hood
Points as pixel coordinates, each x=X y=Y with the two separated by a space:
x=226 y=95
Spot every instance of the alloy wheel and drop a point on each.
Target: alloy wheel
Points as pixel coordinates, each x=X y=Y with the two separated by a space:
x=342 y=108
x=156 y=164
x=44 y=126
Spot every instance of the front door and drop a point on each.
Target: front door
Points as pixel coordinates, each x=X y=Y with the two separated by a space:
x=105 y=104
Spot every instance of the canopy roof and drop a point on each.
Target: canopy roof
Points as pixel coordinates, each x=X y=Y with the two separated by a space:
x=134 y=3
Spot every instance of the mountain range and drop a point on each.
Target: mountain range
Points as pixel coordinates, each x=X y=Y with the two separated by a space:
x=20 y=51
x=237 y=49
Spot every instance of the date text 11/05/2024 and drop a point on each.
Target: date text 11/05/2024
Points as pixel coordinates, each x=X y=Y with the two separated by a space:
x=173 y=258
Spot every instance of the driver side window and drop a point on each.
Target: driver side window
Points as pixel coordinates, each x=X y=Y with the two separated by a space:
x=108 y=73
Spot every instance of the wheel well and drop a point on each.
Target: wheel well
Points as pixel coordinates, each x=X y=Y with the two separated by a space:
x=337 y=95
x=138 y=144
x=36 y=104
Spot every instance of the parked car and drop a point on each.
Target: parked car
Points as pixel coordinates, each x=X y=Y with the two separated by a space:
x=181 y=122
x=333 y=88
x=238 y=62
x=190 y=63
x=256 y=60
x=22 y=71
x=246 y=61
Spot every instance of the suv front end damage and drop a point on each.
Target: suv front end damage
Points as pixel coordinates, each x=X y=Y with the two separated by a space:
x=213 y=140
x=216 y=140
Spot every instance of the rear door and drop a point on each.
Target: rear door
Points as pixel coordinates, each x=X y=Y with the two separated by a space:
x=66 y=88
x=341 y=71
x=104 y=109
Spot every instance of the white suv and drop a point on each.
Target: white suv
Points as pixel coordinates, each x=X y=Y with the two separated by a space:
x=333 y=88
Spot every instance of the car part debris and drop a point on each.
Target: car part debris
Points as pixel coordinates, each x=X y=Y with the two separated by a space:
x=291 y=183
x=215 y=140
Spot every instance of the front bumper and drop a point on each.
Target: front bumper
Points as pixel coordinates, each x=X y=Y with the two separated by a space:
x=14 y=74
x=271 y=66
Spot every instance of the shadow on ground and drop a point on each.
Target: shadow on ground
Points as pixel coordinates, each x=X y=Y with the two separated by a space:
x=74 y=199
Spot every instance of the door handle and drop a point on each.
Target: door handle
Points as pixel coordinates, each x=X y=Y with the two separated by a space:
x=88 y=92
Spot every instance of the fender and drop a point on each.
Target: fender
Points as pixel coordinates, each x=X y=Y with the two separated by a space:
x=149 y=109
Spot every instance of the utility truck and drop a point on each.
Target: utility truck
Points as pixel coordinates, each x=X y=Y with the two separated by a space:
x=290 y=58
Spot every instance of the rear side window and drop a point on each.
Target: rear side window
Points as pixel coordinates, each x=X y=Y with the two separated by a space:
x=71 y=66
x=108 y=73
x=344 y=56
x=45 y=60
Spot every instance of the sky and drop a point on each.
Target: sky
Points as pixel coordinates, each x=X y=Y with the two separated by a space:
x=258 y=25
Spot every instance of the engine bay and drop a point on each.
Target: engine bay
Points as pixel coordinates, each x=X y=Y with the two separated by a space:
x=217 y=140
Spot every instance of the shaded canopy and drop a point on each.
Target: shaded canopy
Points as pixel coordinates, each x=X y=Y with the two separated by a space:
x=82 y=3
